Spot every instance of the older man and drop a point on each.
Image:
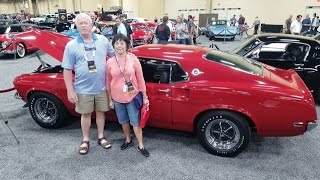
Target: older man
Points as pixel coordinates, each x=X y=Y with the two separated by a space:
x=86 y=55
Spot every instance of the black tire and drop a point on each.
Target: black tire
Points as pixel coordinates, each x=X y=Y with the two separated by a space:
x=223 y=143
x=21 y=50
x=232 y=39
x=47 y=111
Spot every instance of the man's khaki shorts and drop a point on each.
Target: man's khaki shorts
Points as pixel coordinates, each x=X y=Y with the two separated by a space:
x=88 y=103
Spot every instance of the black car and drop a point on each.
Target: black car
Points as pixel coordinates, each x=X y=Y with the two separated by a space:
x=287 y=52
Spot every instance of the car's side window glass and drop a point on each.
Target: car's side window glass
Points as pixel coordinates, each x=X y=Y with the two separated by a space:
x=161 y=71
x=316 y=54
x=156 y=71
x=178 y=74
x=16 y=29
x=281 y=51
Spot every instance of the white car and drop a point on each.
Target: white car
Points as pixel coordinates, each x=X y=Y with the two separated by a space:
x=44 y=18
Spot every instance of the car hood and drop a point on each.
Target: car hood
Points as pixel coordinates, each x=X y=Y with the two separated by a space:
x=51 y=43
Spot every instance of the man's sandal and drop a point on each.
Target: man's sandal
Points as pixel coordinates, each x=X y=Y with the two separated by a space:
x=83 y=150
x=104 y=143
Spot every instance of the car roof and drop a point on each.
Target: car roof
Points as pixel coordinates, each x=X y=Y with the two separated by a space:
x=169 y=51
x=276 y=36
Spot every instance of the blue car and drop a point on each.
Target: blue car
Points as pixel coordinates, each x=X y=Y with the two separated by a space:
x=221 y=29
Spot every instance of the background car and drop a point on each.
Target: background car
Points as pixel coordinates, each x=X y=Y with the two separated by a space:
x=12 y=36
x=190 y=88
x=287 y=52
x=222 y=30
x=141 y=34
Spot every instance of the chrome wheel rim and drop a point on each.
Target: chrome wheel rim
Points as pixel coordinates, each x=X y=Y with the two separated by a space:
x=46 y=110
x=222 y=134
x=21 y=50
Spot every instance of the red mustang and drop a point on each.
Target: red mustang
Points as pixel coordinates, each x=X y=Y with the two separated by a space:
x=221 y=97
x=13 y=37
x=142 y=34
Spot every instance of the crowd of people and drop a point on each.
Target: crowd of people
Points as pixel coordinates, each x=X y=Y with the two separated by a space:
x=307 y=26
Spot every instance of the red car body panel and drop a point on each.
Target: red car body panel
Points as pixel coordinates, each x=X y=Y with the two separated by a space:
x=271 y=102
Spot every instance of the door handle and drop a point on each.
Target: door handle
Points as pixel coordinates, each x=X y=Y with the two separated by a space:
x=298 y=64
x=164 y=90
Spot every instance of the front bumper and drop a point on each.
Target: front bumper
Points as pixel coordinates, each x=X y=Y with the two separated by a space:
x=311 y=125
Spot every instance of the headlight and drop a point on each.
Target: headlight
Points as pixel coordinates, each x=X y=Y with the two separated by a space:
x=4 y=44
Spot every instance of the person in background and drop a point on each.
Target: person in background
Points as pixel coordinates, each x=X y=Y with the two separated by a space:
x=95 y=26
x=191 y=29
x=288 y=25
x=86 y=56
x=314 y=24
x=256 y=25
x=121 y=29
x=181 y=31
x=241 y=23
x=127 y=26
x=163 y=31
x=233 y=21
x=296 y=26
x=306 y=25
x=124 y=80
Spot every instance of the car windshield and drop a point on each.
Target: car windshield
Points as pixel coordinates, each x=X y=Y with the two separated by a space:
x=247 y=46
x=236 y=62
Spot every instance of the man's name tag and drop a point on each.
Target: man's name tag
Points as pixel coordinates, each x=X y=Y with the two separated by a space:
x=92 y=67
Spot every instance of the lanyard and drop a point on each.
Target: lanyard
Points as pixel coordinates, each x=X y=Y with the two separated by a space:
x=86 y=54
x=121 y=71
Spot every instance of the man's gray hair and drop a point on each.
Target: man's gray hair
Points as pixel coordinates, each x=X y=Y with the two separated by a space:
x=82 y=16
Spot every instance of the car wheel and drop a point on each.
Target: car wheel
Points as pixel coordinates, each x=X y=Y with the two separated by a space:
x=232 y=39
x=223 y=133
x=47 y=111
x=21 y=50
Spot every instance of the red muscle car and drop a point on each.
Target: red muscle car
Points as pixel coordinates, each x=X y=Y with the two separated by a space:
x=142 y=34
x=13 y=37
x=222 y=98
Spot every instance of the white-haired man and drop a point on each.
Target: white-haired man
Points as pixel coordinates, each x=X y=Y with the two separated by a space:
x=86 y=55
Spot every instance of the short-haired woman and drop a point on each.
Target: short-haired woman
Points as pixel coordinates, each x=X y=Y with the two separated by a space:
x=124 y=79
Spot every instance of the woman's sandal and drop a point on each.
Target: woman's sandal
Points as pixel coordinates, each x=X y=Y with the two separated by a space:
x=83 y=150
x=106 y=144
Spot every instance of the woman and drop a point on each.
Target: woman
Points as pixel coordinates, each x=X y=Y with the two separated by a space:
x=124 y=79
x=181 y=31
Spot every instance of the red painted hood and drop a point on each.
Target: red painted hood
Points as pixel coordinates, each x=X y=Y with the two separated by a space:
x=51 y=43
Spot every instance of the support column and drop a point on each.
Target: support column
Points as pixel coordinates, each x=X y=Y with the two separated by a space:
x=209 y=6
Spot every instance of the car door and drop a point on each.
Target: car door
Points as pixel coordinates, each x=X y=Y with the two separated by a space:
x=157 y=77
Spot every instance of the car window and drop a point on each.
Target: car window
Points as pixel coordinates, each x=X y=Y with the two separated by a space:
x=281 y=51
x=247 y=46
x=161 y=71
x=236 y=62
x=16 y=29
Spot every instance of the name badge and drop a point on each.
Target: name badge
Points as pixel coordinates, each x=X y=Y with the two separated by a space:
x=92 y=67
x=130 y=88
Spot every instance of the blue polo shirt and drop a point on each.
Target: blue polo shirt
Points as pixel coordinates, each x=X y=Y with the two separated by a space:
x=74 y=58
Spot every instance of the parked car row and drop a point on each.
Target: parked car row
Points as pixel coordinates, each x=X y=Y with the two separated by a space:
x=194 y=89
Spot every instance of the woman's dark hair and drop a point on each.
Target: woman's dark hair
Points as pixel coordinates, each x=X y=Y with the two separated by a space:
x=121 y=37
